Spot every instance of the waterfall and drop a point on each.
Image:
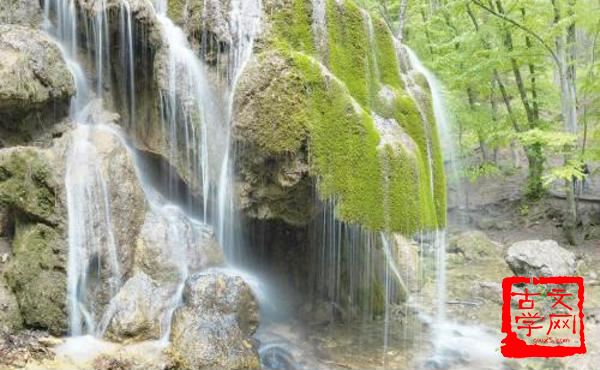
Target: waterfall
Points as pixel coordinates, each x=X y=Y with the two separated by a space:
x=92 y=245
x=196 y=119
x=442 y=119
x=244 y=22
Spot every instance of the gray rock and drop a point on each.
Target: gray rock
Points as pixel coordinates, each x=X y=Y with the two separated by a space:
x=135 y=312
x=23 y=12
x=35 y=85
x=167 y=237
x=212 y=329
x=540 y=258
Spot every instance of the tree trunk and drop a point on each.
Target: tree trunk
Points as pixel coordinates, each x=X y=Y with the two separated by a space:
x=568 y=100
x=535 y=159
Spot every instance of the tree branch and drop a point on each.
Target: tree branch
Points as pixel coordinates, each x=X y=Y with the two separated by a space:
x=519 y=25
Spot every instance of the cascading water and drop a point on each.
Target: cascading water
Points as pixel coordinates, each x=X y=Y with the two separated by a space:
x=93 y=264
x=191 y=107
x=448 y=335
x=442 y=116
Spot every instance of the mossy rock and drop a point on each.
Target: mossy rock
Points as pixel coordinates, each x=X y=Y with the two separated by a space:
x=474 y=245
x=36 y=85
x=293 y=102
x=28 y=185
x=10 y=316
x=36 y=274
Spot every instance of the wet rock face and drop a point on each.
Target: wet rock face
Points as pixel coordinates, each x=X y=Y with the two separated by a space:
x=33 y=215
x=168 y=237
x=35 y=86
x=540 y=258
x=125 y=194
x=212 y=329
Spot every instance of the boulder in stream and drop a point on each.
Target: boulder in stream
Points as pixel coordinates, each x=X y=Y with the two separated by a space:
x=212 y=329
x=135 y=312
x=540 y=258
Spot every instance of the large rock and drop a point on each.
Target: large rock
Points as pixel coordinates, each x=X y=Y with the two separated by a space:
x=274 y=181
x=103 y=146
x=108 y=206
x=35 y=85
x=473 y=245
x=37 y=275
x=135 y=312
x=169 y=238
x=540 y=258
x=23 y=12
x=31 y=194
x=212 y=329
x=34 y=217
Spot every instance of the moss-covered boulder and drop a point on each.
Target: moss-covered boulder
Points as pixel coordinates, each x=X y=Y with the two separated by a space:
x=340 y=118
x=29 y=185
x=36 y=274
x=35 y=85
x=473 y=245
x=30 y=194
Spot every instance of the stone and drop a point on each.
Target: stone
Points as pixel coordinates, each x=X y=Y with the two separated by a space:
x=10 y=316
x=30 y=185
x=406 y=257
x=540 y=258
x=273 y=180
x=125 y=193
x=212 y=329
x=473 y=245
x=167 y=237
x=34 y=217
x=135 y=312
x=35 y=86
x=37 y=275
x=21 y=12
x=30 y=193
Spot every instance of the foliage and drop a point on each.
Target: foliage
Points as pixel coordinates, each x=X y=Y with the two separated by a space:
x=499 y=61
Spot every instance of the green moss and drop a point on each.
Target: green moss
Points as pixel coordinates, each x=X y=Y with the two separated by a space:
x=176 y=9
x=276 y=127
x=292 y=23
x=385 y=50
x=348 y=48
x=335 y=114
x=36 y=274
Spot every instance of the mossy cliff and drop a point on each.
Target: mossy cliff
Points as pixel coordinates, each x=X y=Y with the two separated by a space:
x=34 y=224
x=341 y=116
